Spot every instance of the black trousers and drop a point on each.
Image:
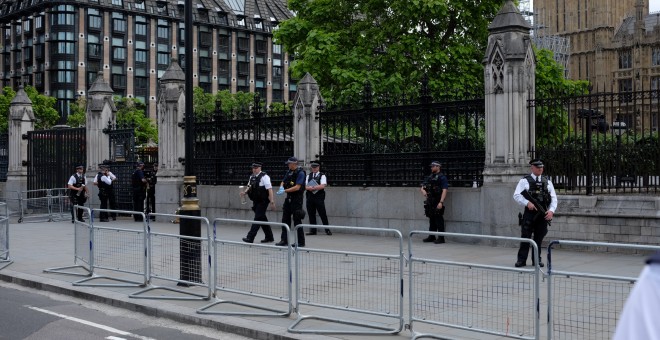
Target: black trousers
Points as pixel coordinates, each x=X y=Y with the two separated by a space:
x=107 y=202
x=259 y=209
x=291 y=204
x=78 y=200
x=138 y=202
x=151 y=200
x=535 y=229
x=316 y=203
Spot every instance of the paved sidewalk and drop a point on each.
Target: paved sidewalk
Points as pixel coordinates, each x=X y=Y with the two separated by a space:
x=37 y=246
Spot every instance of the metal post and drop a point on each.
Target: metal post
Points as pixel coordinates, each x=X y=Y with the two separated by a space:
x=190 y=250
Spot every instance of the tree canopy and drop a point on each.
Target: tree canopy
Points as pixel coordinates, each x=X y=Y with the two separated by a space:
x=43 y=107
x=390 y=43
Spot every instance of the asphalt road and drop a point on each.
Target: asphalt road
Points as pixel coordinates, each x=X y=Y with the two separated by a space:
x=36 y=315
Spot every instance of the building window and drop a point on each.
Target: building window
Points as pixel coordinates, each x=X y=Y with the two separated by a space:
x=140 y=29
x=118 y=23
x=205 y=39
x=39 y=22
x=244 y=44
x=625 y=59
x=163 y=31
x=655 y=56
x=224 y=46
x=62 y=48
x=118 y=3
x=140 y=56
x=65 y=77
x=94 y=46
x=118 y=77
x=118 y=49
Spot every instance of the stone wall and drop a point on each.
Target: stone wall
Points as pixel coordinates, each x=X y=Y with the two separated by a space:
x=620 y=219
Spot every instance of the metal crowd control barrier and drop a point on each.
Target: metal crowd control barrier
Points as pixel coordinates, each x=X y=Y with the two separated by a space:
x=586 y=305
x=5 y=260
x=42 y=205
x=13 y=200
x=477 y=297
x=258 y=271
x=365 y=285
x=171 y=257
x=82 y=253
x=117 y=250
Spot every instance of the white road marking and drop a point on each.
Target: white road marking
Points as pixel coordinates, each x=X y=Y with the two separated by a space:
x=91 y=324
x=115 y=338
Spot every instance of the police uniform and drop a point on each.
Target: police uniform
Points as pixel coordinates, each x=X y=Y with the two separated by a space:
x=639 y=318
x=259 y=186
x=293 y=204
x=106 y=193
x=139 y=191
x=77 y=197
x=533 y=224
x=316 y=199
x=151 y=191
x=433 y=186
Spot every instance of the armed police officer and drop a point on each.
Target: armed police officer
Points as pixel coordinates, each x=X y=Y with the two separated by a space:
x=78 y=192
x=139 y=185
x=434 y=189
x=103 y=181
x=293 y=185
x=537 y=194
x=260 y=191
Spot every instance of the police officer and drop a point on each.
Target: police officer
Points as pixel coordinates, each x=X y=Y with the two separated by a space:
x=260 y=191
x=637 y=319
x=434 y=189
x=139 y=185
x=534 y=225
x=151 y=191
x=293 y=185
x=103 y=181
x=316 y=183
x=78 y=192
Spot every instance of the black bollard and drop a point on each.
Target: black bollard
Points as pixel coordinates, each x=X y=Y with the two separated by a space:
x=190 y=250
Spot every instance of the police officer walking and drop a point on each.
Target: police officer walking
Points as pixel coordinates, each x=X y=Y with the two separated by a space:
x=434 y=189
x=293 y=185
x=534 y=221
x=260 y=191
x=103 y=181
x=77 y=192
x=138 y=183
x=316 y=183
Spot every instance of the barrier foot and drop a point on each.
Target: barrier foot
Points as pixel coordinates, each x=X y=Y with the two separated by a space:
x=430 y=336
x=375 y=329
x=4 y=264
x=64 y=270
x=191 y=296
x=122 y=282
x=268 y=311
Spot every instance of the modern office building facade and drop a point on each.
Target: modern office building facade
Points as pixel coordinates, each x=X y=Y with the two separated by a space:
x=60 y=46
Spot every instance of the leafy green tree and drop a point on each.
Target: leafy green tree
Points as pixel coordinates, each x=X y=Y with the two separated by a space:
x=235 y=105
x=203 y=104
x=77 y=116
x=43 y=107
x=131 y=111
x=552 y=120
x=390 y=43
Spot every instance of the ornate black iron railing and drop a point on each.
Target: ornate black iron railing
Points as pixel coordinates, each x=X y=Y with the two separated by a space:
x=599 y=143
x=4 y=156
x=53 y=156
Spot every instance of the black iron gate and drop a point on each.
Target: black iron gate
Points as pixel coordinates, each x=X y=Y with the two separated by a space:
x=124 y=156
x=53 y=156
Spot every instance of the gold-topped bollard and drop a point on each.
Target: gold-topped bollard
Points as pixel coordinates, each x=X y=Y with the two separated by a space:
x=190 y=250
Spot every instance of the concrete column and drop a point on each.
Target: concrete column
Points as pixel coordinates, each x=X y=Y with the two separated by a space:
x=306 y=144
x=21 y=121
x=509 y=71
x=171 y=141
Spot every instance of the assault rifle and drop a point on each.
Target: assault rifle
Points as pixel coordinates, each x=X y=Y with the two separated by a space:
x=541 y=210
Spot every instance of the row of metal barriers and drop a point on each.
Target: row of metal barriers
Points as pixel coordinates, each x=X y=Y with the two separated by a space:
x=39 y=205
x=338 y=290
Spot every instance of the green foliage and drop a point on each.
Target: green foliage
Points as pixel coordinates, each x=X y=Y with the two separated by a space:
x=77 y=116
x=203 y=104
x=43 y=107
x=237 y=105
x=391 y=44
x=552 y=120
x=131 y=112
x=5 y=101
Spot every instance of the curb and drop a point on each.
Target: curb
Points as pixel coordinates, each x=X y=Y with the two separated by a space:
x=27 y=280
